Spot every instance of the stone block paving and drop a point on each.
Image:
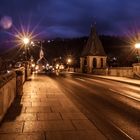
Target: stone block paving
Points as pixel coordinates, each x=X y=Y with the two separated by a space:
x=44 y=112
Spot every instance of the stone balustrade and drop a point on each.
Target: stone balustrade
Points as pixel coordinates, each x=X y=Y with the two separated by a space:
x=10 y=85
x=7 y=92
x=22 y=69
x=121 y=71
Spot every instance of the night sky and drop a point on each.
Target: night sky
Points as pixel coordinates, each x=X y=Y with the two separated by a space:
x=69 y=18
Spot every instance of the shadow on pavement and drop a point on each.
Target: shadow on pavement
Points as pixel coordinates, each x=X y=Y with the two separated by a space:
x=14 y=110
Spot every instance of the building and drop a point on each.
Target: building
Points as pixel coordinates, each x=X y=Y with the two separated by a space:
x=93 y=57
x=42 y=62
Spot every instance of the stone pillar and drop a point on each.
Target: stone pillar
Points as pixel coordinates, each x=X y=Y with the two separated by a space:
x=98 y=62
x=136 y=68
x=81 y=64
x=1 y=103
x=90 y=64
x=104 y=62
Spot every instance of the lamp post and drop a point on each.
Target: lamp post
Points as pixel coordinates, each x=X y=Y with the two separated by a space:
x=137 y=46
x=26 y=41
x=69 y=62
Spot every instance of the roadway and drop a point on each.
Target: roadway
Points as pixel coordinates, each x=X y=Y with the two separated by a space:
x=113 y=107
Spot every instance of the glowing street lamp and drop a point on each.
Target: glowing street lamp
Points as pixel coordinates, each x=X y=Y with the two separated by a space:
x=23 y=38
x=26 y=40
x=69 y=60
x=137 y=46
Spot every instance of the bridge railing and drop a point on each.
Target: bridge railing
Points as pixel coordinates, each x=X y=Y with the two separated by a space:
x=7 y=92
x=11 y=85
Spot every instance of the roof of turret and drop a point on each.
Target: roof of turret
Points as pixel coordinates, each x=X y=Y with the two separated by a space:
x=94 y=46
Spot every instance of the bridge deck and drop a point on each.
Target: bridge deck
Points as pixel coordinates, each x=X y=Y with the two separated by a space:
x=44 y=112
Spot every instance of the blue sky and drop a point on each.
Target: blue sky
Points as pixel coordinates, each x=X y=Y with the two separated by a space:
x=72 y=18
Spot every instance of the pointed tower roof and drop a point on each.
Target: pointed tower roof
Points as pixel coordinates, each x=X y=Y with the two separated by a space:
x=94 y=46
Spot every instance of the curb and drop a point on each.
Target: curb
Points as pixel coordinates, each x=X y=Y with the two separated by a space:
x=134 y=84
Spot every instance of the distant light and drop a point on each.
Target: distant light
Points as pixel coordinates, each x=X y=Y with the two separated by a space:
x=61 y=67
x=57 y=65
x=49 y=41
x=69 y=60
x=33 y=65
x=32 y=42
x=137 y=45
x=8 y=71
x=114 y=58
x=37 y=67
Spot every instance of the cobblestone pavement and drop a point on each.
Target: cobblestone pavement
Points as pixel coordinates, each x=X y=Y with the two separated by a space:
x=44 y=112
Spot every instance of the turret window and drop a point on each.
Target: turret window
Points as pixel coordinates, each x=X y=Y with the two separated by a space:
x=94 y=62
x=102 y=63
x=85 y=61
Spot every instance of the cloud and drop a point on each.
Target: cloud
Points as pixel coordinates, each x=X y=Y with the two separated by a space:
x=74 y=16
x=66 y=32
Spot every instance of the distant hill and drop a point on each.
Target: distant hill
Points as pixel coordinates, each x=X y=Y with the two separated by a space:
x=118 y=50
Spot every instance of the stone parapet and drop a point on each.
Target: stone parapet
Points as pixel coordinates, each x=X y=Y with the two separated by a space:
x=121 y=71
x=7 y=92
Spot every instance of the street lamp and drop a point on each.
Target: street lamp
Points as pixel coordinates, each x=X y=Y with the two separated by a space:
x=137 y=46
x=25 y=41
x=68 y=63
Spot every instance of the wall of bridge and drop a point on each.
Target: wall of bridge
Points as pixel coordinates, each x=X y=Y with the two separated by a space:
x=7 y=92
x=11 y=85
x=131 y=72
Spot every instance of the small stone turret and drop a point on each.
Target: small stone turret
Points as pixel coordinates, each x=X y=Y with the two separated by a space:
x=93 y=55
